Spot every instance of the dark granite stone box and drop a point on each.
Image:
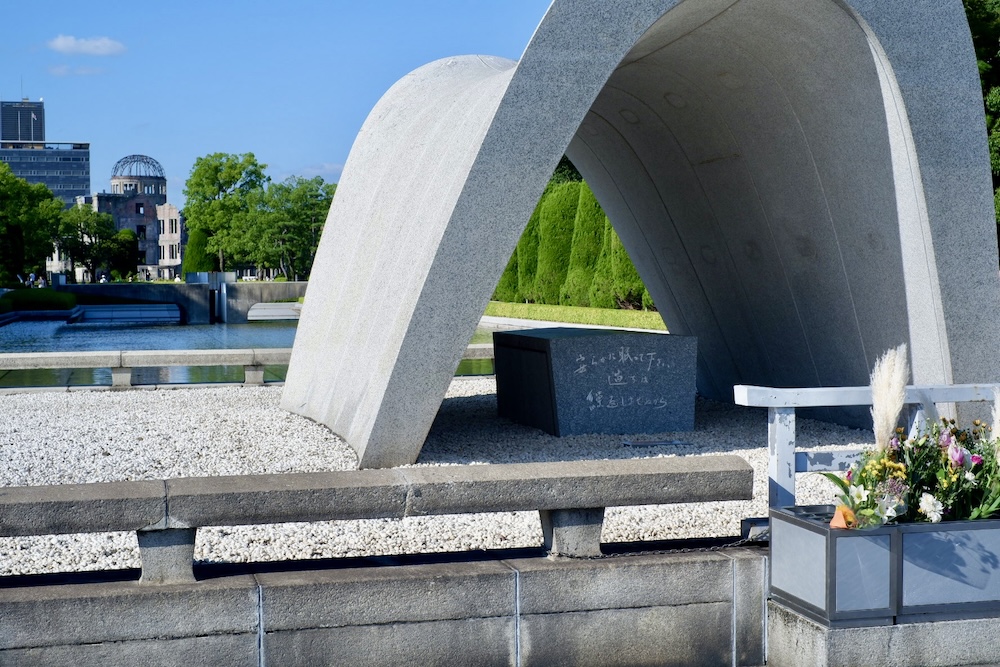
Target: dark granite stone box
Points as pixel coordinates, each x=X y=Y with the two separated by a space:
x=568 y=381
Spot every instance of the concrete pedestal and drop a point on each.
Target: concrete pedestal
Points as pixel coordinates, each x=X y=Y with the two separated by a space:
x=793 y=640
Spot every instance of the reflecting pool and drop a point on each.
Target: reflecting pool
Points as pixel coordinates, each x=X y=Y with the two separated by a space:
x=62 y=337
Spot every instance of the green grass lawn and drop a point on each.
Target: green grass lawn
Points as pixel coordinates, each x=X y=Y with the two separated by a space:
x=631 y=319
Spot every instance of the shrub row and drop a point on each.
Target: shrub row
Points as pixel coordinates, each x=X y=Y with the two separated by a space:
x=570 y=255
x=36 y=299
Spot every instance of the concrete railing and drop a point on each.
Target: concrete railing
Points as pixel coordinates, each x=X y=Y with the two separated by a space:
x=121 y=363
x=570 y=497
x=781 y=403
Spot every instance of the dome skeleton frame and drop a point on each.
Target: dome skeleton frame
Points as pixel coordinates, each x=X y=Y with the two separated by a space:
x=137 y=166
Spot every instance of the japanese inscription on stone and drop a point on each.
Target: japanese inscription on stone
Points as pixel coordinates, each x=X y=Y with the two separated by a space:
x=568 y=381
x=614 y=375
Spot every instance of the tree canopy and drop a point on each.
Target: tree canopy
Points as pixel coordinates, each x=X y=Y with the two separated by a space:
x=237 y=216
x=29 y=223
x=86 y=237
x=283 y=226
x=218 y=192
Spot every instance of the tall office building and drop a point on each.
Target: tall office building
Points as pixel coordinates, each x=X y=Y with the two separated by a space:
x=22 y=121
x=64 y=167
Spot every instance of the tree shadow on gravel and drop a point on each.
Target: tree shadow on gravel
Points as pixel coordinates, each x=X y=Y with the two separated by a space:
x=468 y=430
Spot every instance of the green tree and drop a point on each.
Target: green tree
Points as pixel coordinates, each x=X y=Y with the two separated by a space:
x=197 y=259
x=616 y=283
x=602 y=286
x=122 y=250
x=527 y=257
x=628 y=287
x=218 y=193
x=555 y=239
x=29 y=223
x=588 y=236
x=282 y=227
x=565 y=172
x=507 y=287
x=85 y=238
x=984 y=22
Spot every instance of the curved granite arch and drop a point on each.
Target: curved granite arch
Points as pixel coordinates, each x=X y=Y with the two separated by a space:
x=800 y=183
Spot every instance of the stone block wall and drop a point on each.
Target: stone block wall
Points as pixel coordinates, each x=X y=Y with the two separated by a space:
x=663 y=609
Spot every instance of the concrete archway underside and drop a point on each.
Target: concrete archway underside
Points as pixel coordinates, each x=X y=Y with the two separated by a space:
x=802 y=184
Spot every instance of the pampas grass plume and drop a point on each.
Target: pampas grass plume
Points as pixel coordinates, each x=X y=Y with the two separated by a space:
x=888 y=381
x=995 y=433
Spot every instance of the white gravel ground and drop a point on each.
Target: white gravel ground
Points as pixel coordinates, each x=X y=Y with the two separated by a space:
x=95 y=436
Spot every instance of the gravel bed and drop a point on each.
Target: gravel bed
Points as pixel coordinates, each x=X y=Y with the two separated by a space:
x=98 y=436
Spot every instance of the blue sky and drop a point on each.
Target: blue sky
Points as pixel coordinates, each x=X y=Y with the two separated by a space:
x=289 y=81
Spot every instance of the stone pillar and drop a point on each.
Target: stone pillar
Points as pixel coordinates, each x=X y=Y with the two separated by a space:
x=574 y=532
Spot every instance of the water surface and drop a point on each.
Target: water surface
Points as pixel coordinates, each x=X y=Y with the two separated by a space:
x=62 y=337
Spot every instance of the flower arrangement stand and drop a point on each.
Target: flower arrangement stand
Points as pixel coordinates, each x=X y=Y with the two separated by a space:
x=837 y=592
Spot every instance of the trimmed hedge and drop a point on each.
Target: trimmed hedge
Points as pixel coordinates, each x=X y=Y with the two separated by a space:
x=569 y=254
x=527 y=257
x=507 y=287
x=588 y=237
x=196 y=257
x=555 y=239
x=36 y=299
x=602 y=287
x=626 y=284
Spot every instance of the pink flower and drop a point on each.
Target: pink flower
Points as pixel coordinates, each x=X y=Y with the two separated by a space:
x=957 y=455
x=976 y=459
x=946 y=440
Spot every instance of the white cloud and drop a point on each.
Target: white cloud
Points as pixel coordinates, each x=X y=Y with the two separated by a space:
x=95 y=46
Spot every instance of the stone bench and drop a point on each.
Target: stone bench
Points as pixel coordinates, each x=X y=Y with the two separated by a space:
x=569 y=496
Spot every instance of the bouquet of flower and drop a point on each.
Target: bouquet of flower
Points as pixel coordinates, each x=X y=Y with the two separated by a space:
x=941 y=473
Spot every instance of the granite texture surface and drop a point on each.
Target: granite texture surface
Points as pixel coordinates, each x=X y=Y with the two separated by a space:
x=567 y=381
x=801 y=184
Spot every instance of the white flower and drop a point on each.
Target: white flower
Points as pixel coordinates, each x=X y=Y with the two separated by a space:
x=970 y=477
x=857 y=494
x=931 y=507
x=885 y=509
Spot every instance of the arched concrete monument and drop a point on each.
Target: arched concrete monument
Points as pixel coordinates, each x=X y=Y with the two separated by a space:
x=802 y=184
